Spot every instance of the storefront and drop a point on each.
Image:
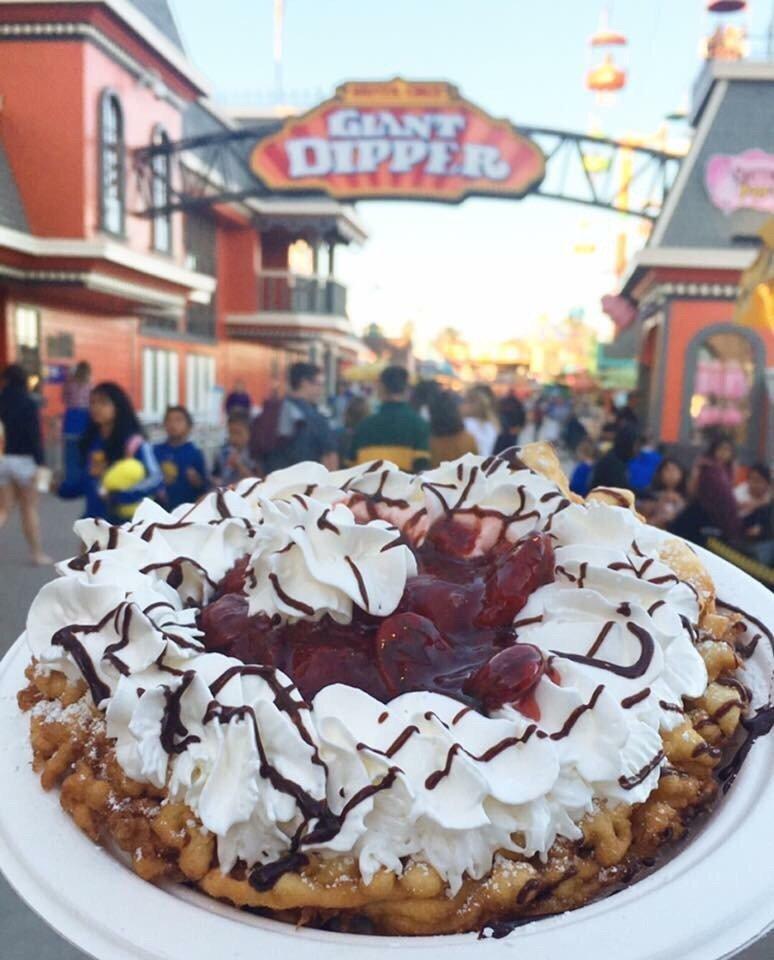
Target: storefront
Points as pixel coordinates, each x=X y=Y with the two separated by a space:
x=699 y=367
x=177 y=305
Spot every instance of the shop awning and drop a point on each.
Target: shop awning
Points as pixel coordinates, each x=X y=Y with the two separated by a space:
x=755 y=307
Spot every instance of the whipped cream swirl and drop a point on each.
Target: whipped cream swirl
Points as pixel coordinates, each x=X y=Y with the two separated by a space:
x=422 y=776
x=338 y=561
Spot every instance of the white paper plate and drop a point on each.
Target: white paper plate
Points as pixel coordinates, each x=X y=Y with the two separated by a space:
x=714 y=898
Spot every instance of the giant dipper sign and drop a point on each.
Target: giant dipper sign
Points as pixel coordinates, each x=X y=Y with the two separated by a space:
x=399 y=139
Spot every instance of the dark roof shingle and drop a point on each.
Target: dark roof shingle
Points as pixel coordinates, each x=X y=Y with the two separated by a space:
x=11 y=209
x=160 y=15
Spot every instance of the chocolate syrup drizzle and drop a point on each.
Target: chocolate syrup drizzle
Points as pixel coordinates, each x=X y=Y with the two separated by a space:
x=747 y=650
x=638 y=669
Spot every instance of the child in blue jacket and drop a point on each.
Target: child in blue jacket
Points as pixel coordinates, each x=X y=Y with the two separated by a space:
x=181 y=461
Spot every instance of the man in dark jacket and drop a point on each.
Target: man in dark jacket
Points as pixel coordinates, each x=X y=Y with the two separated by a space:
x=301 y=431
x=613 y=468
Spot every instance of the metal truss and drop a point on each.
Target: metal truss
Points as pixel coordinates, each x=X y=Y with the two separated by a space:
x=599 y=172
x=204 y=170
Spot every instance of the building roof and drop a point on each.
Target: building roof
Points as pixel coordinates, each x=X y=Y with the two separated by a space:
x=160 y=15
x=200 y=118
x=11 y=209
x=731 y=113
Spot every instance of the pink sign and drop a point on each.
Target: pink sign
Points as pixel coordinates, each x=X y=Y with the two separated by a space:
x=620 y=310
x=742 y=181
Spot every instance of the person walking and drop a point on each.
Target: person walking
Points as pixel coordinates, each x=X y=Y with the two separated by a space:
x=396 y=432
x=627 y=415
x=75 y=397
x=573 y=431
x=480 y=419
x=643 y=467
x=512 y=422
x=612 y=470
x=118 y=467
x=356 y=411
x=580 y=479
x=238 y=399
x=421 y=396
x=181 y=461
x=449 y=439
x=293 y=430
x=21 y=457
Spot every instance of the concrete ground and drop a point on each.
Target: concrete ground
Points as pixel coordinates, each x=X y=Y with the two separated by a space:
x=23 y=936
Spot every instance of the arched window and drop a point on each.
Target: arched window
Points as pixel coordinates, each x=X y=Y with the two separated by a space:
x=162 y=220
x=724 y=385
x=111 y=161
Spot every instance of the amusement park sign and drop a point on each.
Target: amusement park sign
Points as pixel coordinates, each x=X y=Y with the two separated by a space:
x=399 y=139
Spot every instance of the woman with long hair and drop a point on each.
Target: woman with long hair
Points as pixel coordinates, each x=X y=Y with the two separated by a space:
x=356 y=411
x=480 y=419
x=448 y=437
x=22 y=455
x=712 y=507
x=665 y=499
x=117 y=464
x=422 y=395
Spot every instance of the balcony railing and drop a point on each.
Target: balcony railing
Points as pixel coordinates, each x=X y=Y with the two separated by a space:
x=283 y=292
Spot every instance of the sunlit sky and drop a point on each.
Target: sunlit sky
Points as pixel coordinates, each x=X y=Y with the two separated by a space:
x=487 y=267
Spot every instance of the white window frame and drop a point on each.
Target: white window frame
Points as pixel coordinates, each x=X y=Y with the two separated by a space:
x=112 y=164
x=160 y=382
x=199 y=383
x=27 y=323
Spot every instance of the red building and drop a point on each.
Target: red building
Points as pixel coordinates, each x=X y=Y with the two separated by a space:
x=172 y=304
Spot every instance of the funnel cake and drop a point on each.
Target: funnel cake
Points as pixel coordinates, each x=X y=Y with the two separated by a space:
x=366 y=700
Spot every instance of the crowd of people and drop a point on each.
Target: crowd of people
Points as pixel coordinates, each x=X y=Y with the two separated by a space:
x=108 y=461
x=711 y=499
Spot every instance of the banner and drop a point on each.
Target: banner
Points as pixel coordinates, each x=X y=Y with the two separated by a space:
x=399 y=139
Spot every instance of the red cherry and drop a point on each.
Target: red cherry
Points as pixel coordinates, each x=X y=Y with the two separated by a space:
x=410 y=652
x=450 y=606
x=528 y=566
x=313 y=666
x=509 y=677
x=234 y=580
x=224 y=622
x=453 y=538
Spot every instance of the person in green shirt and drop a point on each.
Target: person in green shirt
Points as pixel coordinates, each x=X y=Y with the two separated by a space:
x=395 y=432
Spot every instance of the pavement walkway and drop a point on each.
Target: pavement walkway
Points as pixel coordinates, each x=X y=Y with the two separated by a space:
x=23 y=935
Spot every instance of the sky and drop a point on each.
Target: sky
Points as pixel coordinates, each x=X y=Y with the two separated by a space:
x=488 y=267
